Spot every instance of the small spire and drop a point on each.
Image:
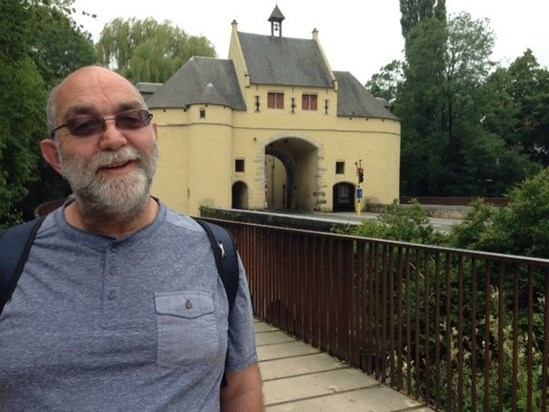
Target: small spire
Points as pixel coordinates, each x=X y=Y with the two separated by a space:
x=276 y=19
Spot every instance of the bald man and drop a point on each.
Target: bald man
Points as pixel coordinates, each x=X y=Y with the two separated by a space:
x=120 y=306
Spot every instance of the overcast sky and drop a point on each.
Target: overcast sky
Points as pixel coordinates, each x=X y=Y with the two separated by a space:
x=359 y=36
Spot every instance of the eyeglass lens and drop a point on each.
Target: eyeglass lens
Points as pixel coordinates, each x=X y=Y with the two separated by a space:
x=89 y=125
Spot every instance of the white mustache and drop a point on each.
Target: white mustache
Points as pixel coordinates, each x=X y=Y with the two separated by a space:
x=114 y=159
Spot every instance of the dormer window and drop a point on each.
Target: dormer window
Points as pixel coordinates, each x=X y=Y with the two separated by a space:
x=309 y=102
x=275 y=100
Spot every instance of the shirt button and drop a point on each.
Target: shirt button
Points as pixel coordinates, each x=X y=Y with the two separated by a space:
x=114 y=249
x=112 y=295
x=113 y=271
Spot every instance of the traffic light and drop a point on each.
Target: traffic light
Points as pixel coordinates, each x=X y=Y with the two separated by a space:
x=360 y=175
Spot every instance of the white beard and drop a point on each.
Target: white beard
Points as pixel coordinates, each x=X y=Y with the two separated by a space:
x=112 y=198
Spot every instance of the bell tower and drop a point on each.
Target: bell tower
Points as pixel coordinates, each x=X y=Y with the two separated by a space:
x=276 y=22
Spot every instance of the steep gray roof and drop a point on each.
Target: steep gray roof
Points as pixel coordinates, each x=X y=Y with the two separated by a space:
x=201 y=80
x=284 y=61
x=354 y=100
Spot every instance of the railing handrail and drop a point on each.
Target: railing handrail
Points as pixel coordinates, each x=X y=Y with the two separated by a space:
x=468 y=252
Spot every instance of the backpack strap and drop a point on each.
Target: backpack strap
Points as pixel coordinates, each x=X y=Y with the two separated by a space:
x=226 y=259
x=15 y=245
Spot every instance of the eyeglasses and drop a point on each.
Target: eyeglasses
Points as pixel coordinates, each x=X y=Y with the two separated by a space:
x=84 y=126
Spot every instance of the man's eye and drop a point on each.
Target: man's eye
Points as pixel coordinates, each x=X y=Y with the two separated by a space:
x=85 y=126
x=129 y=121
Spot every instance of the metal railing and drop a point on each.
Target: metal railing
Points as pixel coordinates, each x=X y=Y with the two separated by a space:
x=459 y=330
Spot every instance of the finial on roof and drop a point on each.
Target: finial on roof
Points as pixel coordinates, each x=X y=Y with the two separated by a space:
x=276 y=21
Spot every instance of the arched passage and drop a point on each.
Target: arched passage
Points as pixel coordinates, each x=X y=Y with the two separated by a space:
x=344 y=197
x=291 y=181
x=240 y=195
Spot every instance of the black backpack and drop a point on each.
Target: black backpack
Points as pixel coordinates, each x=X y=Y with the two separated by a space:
x=16 y=242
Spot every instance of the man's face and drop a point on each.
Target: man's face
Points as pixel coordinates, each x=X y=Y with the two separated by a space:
x=110 y=172
x=112 y=194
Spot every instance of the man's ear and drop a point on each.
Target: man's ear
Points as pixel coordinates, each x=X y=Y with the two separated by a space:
x=51 y=155
x=155 y=130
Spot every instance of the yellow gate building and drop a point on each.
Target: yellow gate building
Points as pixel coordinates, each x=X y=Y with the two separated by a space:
x=272 y=127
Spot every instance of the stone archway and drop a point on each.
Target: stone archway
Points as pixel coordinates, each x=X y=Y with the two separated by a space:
x=294 y=184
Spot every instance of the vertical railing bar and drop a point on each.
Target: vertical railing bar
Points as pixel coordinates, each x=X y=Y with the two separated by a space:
x=487 y=282
x=530 y=344
x=408 y=328
x=371 y=308
x=307 y=287
x=384 y=340
x=417 y=328
x=474 y=334
x=461 y=322
x=321 y=307
x=362 y=304
x=545 y=352
x=318 y=279
x=501 y=324
x=437 y=333
x=299 y=284
x=355 y=305
x=427 y=327
x=331 y=301
x=287 y=296
x=516 y=349
x=284 y=297
x=340 y=297
x=391 y=315
x=353 y=325
x=377 y=313
x=400 y=338
x=348 y=310
x=449 y=375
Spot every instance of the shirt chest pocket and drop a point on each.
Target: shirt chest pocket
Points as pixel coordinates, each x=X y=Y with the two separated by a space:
x=186 y=329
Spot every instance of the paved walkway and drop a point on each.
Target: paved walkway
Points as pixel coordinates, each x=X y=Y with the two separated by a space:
x=298 y=377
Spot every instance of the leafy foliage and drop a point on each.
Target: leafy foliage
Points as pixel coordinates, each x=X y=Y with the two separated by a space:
x=520 y=228
x=466 y=130
x=148 y=51
x=39 y=45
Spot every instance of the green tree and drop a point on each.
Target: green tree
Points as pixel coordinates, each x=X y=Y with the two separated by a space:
x=60 y=46
x=20 y=83
x=148 y=51
x=443 y=104
x=415 y=11
x=520 y=228
x=39 y=44
x=521 y=110
x=388 y=82
x=421 y=109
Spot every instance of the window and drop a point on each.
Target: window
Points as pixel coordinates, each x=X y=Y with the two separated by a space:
x=309 y=102
x=202 y=113
x=340 y=168
x=239 y=165
x=275 y=100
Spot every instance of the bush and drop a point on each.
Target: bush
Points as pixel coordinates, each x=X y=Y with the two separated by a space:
x=404 y=224
x=520 y=228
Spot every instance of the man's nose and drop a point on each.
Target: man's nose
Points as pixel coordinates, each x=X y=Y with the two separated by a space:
x=112 y=137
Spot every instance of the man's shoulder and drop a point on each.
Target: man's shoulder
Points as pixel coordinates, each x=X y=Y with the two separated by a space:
x=181 y=220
